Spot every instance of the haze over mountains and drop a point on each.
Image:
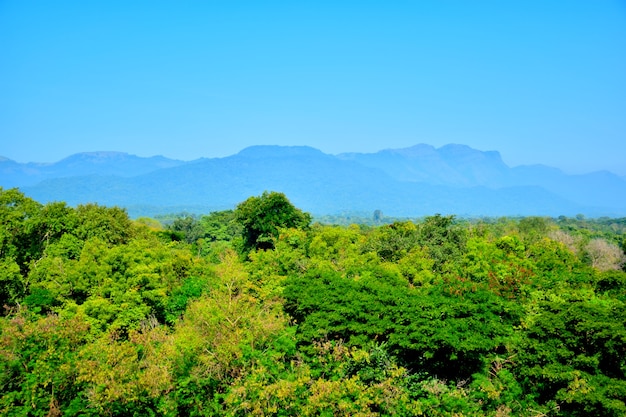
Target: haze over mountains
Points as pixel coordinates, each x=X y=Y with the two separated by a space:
x=416 y=181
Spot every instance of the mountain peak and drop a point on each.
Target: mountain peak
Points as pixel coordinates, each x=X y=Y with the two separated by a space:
x=459 y=149
x=97 y=156
x=456 y=147
x=273 y=151
x=418 y=150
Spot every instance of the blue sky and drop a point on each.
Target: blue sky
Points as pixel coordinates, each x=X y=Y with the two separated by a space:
x=539 y=81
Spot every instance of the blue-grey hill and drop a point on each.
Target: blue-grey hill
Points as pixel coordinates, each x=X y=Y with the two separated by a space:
x=416 y=181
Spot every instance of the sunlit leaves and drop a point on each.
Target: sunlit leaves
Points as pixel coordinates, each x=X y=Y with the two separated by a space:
x=218 y=328
x=38 y=365
x=129 y=376
x=11 y=282
x=573 y=352
x=109 y=224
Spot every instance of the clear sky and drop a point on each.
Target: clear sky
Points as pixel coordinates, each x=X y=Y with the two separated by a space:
x=540 y=81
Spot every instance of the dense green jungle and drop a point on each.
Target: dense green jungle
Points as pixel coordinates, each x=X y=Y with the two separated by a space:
x=262 y=311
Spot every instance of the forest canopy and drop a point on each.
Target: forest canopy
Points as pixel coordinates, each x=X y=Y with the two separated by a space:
x=261 y=311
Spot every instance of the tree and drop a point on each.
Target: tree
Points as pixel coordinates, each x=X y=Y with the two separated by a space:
x=605 y=255
x=394 y=241
x=189 y=227
x=16 y=211
x=110 y=224
x=220 y=226
x=533 y=227
x=443 y=239
x=263 y=217
x=11 y=282
x=571 y=354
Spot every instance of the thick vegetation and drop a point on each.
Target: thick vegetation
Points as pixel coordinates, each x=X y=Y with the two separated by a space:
x=256 y=311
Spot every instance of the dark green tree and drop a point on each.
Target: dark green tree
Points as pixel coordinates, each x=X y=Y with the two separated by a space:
x=534 y=228
x=571 y=354
x=263 y=217
x=444 y=240
x=394 y=241
x=110 y=224
x=220 y=226
x=16 y=211
x=188 y=227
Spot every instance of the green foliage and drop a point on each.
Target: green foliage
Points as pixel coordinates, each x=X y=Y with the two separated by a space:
x=448 y=334
x=612 y=284
x=189 y=228
x=328 y=306
x=262 y=218
x=437 y=317
x=444 y=240
x=572 y=352
x=191 y=289
x=131 y=376
x=38 y=365
x=499 y=266
x=11 y=282
x=109 y=224
x=40 y=300
x=17 y=214
x=393 y=242
x=532 y=228
x=220 y=226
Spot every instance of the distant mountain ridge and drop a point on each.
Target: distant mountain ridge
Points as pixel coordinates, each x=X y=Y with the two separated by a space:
x=460 y=165
x=415 y=181
x=457 y=165
x=15 y=174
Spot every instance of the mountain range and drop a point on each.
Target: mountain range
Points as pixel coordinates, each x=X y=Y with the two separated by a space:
x=410 y=182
